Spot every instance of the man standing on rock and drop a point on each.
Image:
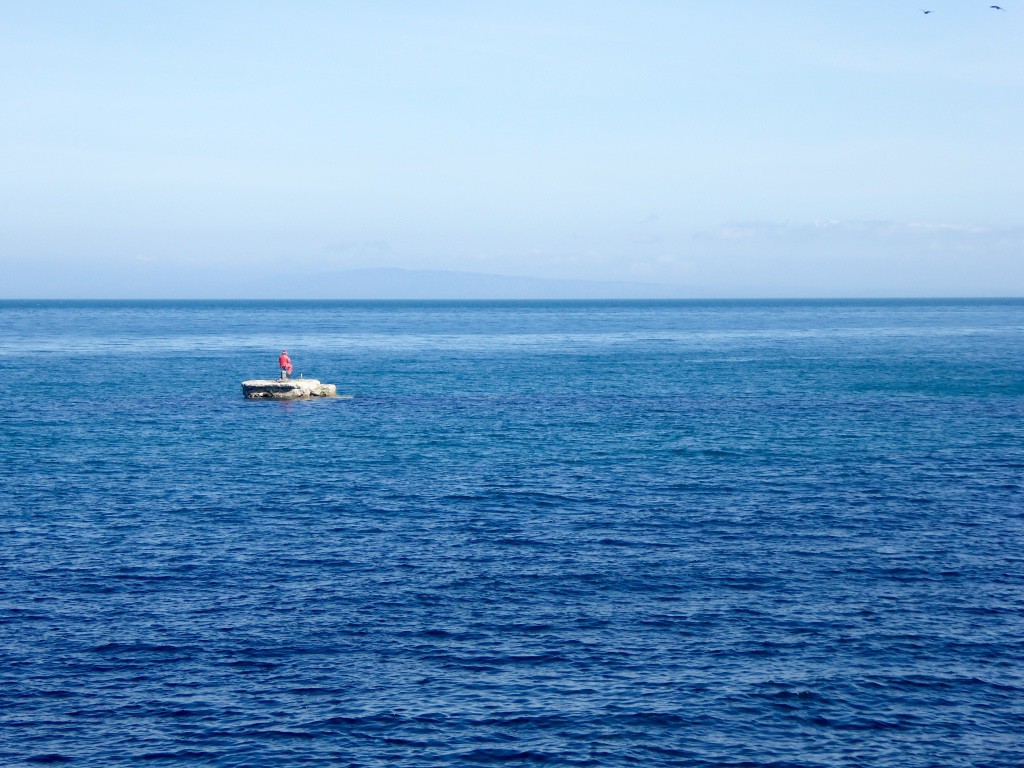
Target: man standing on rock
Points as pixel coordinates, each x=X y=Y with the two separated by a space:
x=286 y=364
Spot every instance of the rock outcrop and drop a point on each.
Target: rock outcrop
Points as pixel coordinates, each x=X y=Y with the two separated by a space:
x=288 y=389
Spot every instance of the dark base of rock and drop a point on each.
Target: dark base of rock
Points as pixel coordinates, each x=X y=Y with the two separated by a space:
x=287 y=389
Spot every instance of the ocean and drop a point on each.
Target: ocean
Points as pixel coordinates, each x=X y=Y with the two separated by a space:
x=686 y=533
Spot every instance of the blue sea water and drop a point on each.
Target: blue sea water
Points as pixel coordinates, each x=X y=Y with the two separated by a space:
x=570 y=534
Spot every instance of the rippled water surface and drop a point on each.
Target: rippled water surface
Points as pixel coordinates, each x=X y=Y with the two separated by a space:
x=601 y=534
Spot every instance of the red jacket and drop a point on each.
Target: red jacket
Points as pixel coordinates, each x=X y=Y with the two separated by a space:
x=284 y=361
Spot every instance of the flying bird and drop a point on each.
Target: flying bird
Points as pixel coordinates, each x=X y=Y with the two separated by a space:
x=997 y=7
x=925 y=12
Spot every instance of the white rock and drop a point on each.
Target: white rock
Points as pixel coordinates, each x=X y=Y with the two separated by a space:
x=287 y=389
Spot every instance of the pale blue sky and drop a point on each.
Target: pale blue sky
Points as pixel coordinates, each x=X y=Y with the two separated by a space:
x=723 y=149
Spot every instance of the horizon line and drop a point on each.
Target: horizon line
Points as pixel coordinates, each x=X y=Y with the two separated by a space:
x=518 y=300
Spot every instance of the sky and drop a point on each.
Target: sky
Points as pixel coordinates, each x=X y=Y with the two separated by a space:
x=206 y=149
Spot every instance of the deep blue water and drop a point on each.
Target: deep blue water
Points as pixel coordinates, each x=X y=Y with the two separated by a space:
x=607 y=534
